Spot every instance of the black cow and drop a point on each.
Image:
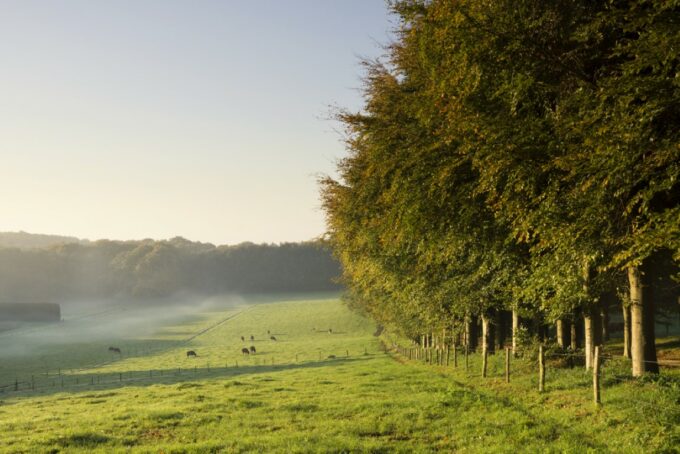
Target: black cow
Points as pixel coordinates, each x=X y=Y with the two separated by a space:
x=272 y=338
x=245 y=351
x=243 y=339
x=252 y=338
x=268 y=332
x=252 y=349
x=191 y=353
x=115 y=350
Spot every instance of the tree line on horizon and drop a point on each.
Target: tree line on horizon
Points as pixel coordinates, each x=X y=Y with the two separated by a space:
x=147 y=269
x=516 y=162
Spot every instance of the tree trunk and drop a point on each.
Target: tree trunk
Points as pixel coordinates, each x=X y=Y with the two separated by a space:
x=487 y=339
x=573 y=335
x=626 y=331
x=561 y=333
x=515 y=331
x=637 y=337
x=588 y=329
x=589 y=321
x=642 y=349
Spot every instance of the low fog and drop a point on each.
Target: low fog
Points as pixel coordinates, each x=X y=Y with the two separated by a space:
x=98 y=321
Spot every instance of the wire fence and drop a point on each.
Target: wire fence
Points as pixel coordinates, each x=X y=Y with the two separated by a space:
x=603 y=370
x=68 y=379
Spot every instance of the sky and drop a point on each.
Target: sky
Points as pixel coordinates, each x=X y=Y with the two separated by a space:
x=134 y=119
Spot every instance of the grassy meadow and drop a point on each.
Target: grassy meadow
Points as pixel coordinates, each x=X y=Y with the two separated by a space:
x=310 y=391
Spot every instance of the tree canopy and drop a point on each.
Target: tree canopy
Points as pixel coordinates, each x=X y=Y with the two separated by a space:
x=511 y=155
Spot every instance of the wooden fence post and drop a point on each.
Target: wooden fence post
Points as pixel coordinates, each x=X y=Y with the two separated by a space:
x=507 y=364
x=596 y=375
x=541 y=369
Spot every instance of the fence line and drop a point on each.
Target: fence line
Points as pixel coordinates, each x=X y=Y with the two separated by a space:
x=599 y=375
x=62 y=380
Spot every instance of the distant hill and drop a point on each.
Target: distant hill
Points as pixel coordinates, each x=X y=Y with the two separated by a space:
x=24 y=240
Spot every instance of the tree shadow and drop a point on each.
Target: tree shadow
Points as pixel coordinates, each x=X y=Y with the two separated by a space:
x=103 y=381
x=490 y=399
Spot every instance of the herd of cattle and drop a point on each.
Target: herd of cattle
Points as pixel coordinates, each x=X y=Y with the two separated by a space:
x=244 y=351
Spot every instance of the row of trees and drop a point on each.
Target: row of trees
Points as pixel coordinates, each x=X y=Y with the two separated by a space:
x=157 y=269
x=516 y=155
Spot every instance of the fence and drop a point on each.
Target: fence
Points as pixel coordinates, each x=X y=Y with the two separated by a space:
x=598 y=376
x=79 y=378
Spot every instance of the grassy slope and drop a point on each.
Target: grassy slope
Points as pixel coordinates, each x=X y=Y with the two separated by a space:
x=371 y=402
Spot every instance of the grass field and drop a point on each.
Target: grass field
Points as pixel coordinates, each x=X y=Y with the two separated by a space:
x=291 y=397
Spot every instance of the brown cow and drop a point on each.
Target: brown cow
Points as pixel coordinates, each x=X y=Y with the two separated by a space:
x=191 y=353
x=115 y=350
x=245 y=351
x=252 y=349
x=272 y=338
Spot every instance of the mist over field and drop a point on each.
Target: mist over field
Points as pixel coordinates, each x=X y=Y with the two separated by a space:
x=111 y=291
x=113 y=321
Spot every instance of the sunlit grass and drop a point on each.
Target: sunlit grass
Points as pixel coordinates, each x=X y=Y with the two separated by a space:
x=374 y=402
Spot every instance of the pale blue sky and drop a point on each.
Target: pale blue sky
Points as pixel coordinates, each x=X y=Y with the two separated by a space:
x=155 y=118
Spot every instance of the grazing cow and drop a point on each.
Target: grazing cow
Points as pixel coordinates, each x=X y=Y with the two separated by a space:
x=191 y=353
x=115 y=350
x=243 y=339
x=272 y=338
x=245 y=351
x=252 y=338
x=331 y=356
x=252 y=349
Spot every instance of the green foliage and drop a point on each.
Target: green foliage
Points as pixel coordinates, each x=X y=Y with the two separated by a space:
x=510 y=154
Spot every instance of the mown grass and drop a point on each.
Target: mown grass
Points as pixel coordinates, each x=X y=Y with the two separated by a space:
x=374 y=402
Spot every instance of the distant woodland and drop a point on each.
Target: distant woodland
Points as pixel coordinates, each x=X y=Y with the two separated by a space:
x=45 y=268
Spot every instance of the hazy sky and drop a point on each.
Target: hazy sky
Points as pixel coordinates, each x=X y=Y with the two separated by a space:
x=157 y=118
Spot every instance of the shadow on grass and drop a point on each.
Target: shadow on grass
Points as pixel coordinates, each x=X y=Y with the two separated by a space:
x=548 y=428
x=77 y=383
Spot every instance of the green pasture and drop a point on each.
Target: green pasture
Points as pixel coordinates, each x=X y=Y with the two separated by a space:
x=313 y=391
